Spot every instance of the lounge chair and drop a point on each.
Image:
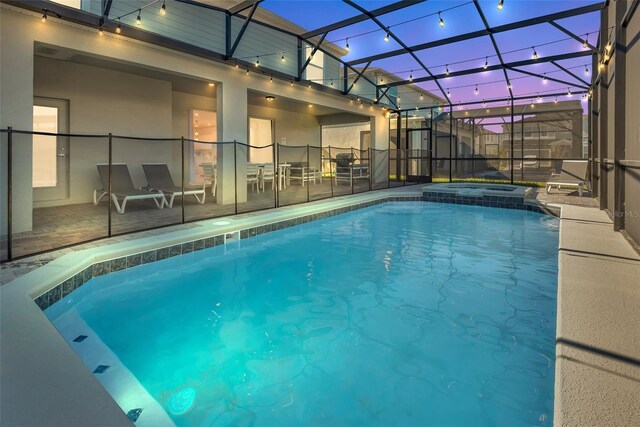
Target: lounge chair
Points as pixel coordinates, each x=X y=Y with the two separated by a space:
x=268 y=174
x=159 y=178
x=572 y=174
x=253 y=175
x=210 y=172
x=347 y=170
x=122 y=188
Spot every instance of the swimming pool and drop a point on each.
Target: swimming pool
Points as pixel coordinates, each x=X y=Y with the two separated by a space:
x=399 y=314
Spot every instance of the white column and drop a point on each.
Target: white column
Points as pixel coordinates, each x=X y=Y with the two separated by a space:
x=16 y=110
x=232 y=126
x=380 y=141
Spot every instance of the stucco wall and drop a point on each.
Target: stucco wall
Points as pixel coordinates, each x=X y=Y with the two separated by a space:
x=21 y=30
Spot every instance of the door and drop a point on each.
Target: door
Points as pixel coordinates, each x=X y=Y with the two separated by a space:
x=261 y=136
x=50 y=159
x=419 y=155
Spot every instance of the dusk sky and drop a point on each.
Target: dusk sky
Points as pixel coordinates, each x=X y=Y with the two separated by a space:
x=460 y=17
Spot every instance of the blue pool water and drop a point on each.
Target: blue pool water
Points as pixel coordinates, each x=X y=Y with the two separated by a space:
x=402 y=314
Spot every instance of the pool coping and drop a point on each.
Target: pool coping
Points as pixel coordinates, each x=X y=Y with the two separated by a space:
x=598 y=334
x=33 y=351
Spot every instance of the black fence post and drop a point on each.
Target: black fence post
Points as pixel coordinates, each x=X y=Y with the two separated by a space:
x=369 y=168
x=182 y=174
x=10 y=195
x=307 y=171
x=330 y=170
x=276 y=177
x=351 y=172
x=109 y=189
x=235 y=175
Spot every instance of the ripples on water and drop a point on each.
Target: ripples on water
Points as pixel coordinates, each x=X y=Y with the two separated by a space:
x=405 y=314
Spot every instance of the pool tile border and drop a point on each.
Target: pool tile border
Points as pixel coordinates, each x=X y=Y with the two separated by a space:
x=101 y=268
x=490 y=201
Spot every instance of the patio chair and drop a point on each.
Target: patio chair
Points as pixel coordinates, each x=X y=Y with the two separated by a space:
x=572 y=174
x=268 y=174
x=210 y=172
x=301 y=171
x=159 y=178
x=253 y=175
x=122 y=188
x=347 y=170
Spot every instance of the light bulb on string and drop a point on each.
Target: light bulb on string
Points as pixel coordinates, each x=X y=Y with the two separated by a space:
x=535 y=54
x=475 y=91
x=101 y=31
x=282 y=57
x=163 y=9
x=569 y=94
x=440 y=20
x=586 y=42
x=44 y=16
x=257 y=61
x=586 y=70
x=446 y=70
x=347 y=46
x=119 y=27
x=139 y=18
x=411 y=77
x=500 y=4
x=386 y=37
x=486 y=63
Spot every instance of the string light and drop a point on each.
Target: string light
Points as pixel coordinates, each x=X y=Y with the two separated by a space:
x=500 y=4
x=475 y=91
x=331 y=82
x=291 y=83
x=257 y=61
x=586 y=70
x=421 y=97
x=411 y=77
x=539 y=98
x=535 y=54
x=446 y=70
x=270 y=79
x=544 y=78
x=386 y=37
x=440 y=20
x=139 y=18
x=163 y=9
x=247 y=71
x=569 y=94
x=448 y=92
x=119 y=27
x=586 y=42
x=282 y=57
x=347 y=46
x=532 y=105
x=486 y=62
x=101 y=31
x=555 y=101
x=44 y=16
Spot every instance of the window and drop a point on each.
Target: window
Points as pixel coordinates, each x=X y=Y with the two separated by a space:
x=315 y=69
x=203 y=127
x=45 y=171
x=260 y=135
